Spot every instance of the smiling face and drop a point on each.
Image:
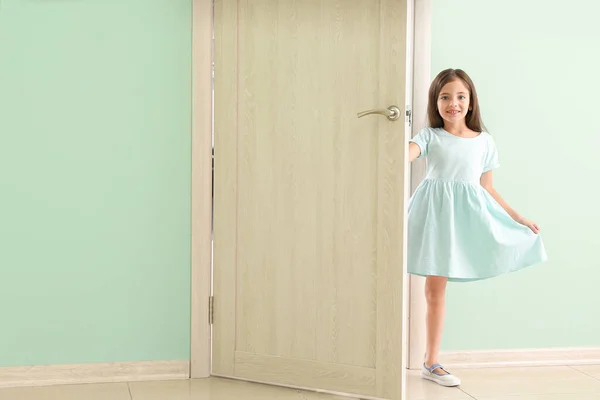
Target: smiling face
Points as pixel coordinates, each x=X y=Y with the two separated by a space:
x=453 y=102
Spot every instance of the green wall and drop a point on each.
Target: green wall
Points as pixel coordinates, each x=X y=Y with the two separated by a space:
x=535 y=66
x=95 y=121
x=95 y=114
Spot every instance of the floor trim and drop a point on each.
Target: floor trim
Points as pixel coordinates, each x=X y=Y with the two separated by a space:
x=44 y=375
x=521 y=357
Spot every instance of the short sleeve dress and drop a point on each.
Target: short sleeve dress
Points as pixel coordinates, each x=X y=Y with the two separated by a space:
x=456 y=228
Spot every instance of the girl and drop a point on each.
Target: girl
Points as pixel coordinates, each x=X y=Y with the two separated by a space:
x=459 y=228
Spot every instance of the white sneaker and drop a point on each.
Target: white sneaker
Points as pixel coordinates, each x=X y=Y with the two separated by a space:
x=441 y=379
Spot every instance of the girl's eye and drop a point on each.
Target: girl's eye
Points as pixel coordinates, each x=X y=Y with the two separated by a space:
x=444 y=97
x=462 y=97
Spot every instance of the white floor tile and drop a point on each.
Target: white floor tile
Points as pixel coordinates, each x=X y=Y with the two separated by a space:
x=592 y=370
x=544 y=397
x=108 y=391
x=218 y=389
x=543 y=383
x=498 y=382
x=420 y=389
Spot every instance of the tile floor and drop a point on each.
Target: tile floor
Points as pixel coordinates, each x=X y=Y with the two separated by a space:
x=532 y=383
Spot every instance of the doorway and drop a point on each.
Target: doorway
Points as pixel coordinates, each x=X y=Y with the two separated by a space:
x=308 y=167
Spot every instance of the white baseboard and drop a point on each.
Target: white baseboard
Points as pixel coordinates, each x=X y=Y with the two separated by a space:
x=521 y=357
x=43 y=375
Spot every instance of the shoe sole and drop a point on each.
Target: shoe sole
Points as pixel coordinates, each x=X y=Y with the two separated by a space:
x=439 y=382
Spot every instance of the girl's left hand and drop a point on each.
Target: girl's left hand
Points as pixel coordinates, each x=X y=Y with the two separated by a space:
x=531 y=225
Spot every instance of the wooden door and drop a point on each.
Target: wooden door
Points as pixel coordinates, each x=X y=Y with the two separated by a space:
x=310 y=199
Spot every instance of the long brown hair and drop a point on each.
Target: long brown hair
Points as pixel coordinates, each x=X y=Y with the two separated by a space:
x=473 y=118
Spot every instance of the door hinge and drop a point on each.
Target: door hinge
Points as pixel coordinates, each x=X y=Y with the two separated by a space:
x=211 y=309
x=409 y=116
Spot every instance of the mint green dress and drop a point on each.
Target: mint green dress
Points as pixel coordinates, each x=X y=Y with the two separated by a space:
x=456 y=228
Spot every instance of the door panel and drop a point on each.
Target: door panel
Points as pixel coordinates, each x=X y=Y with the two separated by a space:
x=309 y=199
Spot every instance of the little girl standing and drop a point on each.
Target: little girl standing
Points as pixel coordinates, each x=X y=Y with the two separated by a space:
x=459 y=228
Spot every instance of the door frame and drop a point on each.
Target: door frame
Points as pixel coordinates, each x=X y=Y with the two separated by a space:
x=201 y=180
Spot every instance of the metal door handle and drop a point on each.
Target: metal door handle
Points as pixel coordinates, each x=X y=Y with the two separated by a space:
x=392 y=113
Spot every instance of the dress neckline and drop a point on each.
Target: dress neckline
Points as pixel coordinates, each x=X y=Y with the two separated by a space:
x=460 y=137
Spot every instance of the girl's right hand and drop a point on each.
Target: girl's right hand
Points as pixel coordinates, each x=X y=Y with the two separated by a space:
x=531 y=225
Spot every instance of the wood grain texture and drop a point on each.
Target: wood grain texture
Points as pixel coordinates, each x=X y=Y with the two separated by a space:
x=226 y=196
x=301 y=184
x=305 y=373
x=309 y=199
x=392 y=194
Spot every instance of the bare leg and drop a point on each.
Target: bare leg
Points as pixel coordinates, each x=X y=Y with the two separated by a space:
x=435 y=293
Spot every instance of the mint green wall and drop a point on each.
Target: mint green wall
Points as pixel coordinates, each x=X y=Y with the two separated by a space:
x=535 y=66
x=95 y=120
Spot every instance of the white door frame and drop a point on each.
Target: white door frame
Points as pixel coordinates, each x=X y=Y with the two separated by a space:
x=201 y=224
x=201 y=211
x=421 y=81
